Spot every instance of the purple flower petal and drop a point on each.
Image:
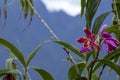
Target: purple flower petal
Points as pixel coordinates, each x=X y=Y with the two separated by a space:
x=106 y=35
x=110 y=47
x=111 y=44
x=103 y=28
x=85 y=49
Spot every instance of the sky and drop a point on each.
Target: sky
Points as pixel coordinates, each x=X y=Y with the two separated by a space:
x=70 y=7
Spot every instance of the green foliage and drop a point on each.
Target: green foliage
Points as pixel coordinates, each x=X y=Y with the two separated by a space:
x=110 y=56
x=113 y=29
x=70 y=47
x=83 y=4
x=32 y=54
x=95 y=77
x=111 y=65
x=72 y=74
x=44 y=74
x=88 y=54
x=91 y=8
x=98 y=22
x=18 y=54
x=88 y=63
x=26 y=6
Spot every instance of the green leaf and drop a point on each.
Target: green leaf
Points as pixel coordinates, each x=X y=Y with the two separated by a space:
x=44 y=74
x=113 y=54
x=95 y=77
x=32 y=54
x=83 y=78
x=83 y=3
x=88 y=54
x=22 y=4
x=72 y=75
x=31 y=10
x=26 y=8
x=5 y=71
x=71 y=47
x=110 y=56
x=98 y=22
x=111 y=65
x=14 y=50
x=91 y=8
x=113 y=29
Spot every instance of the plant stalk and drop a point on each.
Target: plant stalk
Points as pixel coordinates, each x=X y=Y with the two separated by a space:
x=55 y=36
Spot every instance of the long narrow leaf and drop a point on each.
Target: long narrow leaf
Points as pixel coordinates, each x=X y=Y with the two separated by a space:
x=26 y=8
x=44 y=74
x=98 y=21
x=83 y=3
x=32 y=54
x=111 y=65
x=109 y=56
x=71 y=47
x=14 y=50
x=22 y=4
x=91 y=8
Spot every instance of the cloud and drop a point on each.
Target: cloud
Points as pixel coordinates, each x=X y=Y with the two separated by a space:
x=70 y=7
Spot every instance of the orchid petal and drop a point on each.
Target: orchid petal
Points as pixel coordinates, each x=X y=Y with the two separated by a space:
x=102 y=29
x=87 y=32
x=106 y=35
x=82 y=40
x=85 y=49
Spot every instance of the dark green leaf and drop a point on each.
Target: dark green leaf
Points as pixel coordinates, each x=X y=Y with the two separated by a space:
x=83 y=78
x=111 y=65
x=14 y=50
x=26 y=8
x=22 y=4
x=44 y=74
x=71 y=47
x=32 y=54
x=88 y=54
x=31 y=10
x=83 y=3
x=95 y=77
x=91 y=8
x=113 y=54
x=72 y=75
x=113 y=29
x=110 y=56
x=98 y=22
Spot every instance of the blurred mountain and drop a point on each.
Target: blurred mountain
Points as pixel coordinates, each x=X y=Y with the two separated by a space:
x=50 y=57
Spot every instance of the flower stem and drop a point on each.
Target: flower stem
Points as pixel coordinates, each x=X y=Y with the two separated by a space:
x=90 y=68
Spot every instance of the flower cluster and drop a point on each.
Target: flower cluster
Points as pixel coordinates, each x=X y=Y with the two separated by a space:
x=90 y=41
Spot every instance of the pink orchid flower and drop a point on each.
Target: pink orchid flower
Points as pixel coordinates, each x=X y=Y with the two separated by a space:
x=110 y=42
x=89 y=43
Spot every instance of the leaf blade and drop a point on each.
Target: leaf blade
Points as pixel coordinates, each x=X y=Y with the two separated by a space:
x=72 y=75
x=44 y=74
x=71 y=47
x=98 y=21
x=18 y=54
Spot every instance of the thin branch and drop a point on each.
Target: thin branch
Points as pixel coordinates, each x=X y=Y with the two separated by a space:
x=54 y=35
x=43 y=21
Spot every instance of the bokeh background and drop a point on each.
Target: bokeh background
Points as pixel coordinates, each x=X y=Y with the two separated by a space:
x=63 y=16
